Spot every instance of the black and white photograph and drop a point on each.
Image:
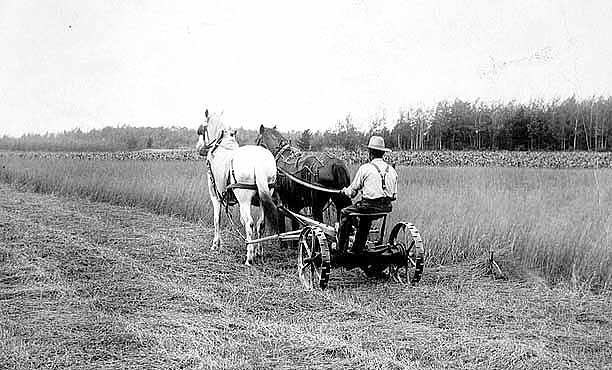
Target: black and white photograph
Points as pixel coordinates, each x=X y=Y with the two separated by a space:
x=346 y=184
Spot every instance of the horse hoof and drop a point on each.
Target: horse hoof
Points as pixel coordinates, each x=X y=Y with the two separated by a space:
x=247 y=263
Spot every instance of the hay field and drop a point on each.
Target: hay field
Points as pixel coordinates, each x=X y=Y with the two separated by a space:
x=557 y=222
x=87 y=285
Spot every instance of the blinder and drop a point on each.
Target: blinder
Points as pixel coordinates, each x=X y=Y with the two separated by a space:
x=201 y=130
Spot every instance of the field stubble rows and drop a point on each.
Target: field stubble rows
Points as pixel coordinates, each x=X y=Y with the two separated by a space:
x=92 y=285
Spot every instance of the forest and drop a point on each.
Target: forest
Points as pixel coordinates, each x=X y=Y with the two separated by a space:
x=558 y=125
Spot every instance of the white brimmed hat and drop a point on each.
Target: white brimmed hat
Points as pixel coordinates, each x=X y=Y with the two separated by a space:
x=377 y=143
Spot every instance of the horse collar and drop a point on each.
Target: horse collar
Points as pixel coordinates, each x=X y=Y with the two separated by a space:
x=281 y=150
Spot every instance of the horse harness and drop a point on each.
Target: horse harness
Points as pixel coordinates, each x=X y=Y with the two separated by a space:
x=203 y=130
x=282 y=150
x=227 y=197
x=296 y=166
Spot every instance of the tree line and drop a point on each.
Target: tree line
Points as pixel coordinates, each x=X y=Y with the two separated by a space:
x=569 y=124
x=107 y=139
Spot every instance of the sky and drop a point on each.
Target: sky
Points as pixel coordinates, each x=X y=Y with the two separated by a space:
x=297 y=65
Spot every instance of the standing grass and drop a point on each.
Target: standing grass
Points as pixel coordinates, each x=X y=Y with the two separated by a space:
x=555 y=221
x=164 y=187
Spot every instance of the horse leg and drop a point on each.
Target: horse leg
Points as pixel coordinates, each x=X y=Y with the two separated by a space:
x=317 y=208
x=281 y=223
x=216 y=216
x=244 y=199
x=259 y=231
x=295 y=225
x=282 y=227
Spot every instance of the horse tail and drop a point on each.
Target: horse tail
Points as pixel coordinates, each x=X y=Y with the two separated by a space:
x=265 y=198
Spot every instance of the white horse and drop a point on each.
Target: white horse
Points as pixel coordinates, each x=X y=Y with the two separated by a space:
x=244 y=172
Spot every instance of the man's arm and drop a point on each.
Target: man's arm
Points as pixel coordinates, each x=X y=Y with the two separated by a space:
x=356 y=185
x=393 y=183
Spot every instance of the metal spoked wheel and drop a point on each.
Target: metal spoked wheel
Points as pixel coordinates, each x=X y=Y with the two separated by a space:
x=313 y=258
x=406 y=237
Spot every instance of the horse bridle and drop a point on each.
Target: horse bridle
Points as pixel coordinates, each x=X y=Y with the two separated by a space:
x=281 y=147
x=203 y=130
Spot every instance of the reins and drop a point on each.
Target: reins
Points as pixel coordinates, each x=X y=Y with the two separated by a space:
x=234 y=229
x=224 y=202
x=215 y=143
x=308 y=184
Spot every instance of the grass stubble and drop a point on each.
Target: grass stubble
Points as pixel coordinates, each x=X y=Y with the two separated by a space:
x=95 y=285
x=92 y=285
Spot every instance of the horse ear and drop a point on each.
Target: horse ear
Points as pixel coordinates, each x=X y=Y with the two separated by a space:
x=274 y=127
x=261 y=129
x=206 y=113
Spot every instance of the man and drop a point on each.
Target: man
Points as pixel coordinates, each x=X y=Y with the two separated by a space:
x=377 y=181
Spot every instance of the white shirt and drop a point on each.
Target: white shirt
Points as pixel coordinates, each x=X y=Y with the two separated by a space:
x=369 y=181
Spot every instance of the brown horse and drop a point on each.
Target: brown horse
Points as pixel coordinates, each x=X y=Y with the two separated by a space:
x=320 y=169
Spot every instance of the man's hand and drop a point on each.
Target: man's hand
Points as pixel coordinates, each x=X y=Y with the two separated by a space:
x=347 y=192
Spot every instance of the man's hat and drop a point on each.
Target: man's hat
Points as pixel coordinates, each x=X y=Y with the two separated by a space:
x=377 y=143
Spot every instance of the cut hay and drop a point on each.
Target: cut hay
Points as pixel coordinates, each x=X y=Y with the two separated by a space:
x=92 y=286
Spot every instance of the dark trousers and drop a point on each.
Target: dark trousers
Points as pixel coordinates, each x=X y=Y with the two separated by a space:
x=363 y=227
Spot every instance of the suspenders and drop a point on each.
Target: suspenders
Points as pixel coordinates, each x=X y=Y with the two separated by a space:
x=382 y=175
